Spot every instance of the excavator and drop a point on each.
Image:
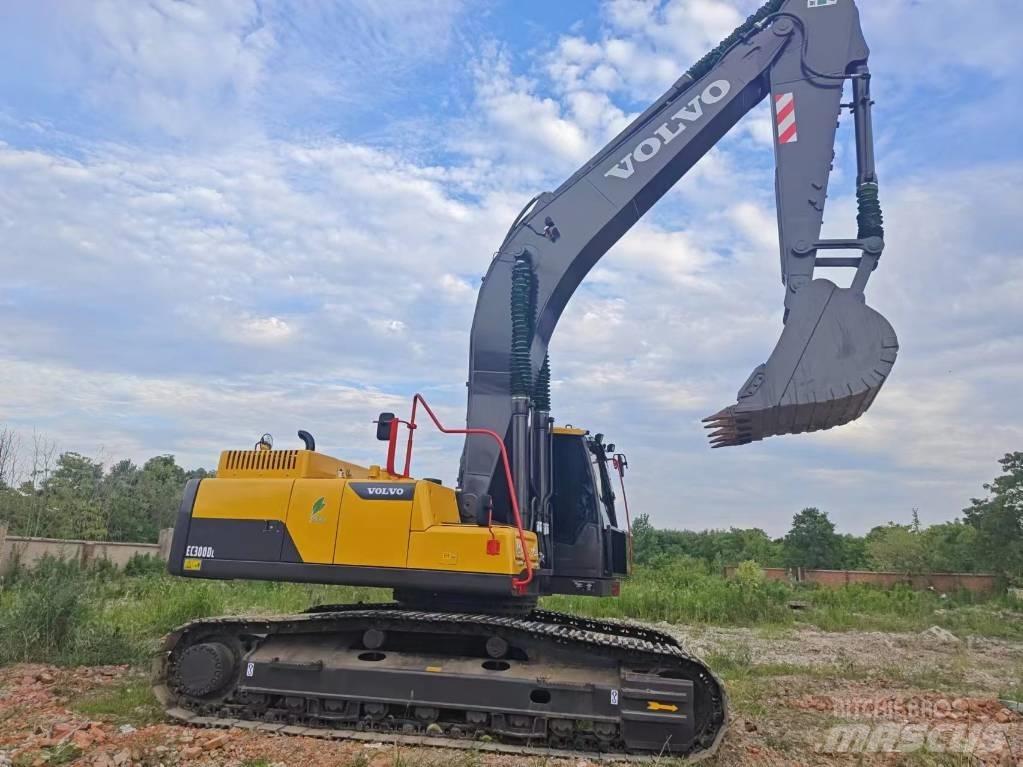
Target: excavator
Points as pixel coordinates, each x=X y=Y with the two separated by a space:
x=463 y=654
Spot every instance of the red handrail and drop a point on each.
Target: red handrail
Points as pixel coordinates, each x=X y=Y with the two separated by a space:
x=519 y=584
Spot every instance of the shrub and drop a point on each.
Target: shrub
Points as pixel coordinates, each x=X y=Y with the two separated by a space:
x=54 y=615
x=144 y=564
x=183 y=604
x=682 y=590
x=47 y=607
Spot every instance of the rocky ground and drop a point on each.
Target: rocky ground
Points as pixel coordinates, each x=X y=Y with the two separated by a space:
x=798 y=697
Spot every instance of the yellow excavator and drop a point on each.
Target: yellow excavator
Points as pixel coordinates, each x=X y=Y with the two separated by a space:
x=464 y=654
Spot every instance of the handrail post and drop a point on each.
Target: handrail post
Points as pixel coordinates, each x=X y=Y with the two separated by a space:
x=519 y=584
x=392 y=445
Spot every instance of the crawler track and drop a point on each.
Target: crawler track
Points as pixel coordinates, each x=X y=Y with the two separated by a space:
x=547 y=683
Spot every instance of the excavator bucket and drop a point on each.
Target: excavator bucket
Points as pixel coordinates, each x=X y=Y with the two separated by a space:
x=834 y=354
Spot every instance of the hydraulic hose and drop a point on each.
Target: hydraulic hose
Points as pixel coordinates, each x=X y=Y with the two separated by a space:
x=869 y=220
x=523 y=317
x=542 y=391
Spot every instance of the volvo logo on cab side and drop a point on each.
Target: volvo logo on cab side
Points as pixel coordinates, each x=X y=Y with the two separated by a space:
x=670 y=130
x=384 y=491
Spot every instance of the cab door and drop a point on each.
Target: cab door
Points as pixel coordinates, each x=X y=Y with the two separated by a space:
x=579 y=550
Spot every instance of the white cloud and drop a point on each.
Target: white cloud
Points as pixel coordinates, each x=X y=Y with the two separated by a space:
x=263 y=330
x=168 y=64
x=185 y=299
x=912 y=41
x=456 y=289
x=516 y=123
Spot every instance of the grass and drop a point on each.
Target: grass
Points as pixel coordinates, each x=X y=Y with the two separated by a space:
x=62 y=614
x=63 y=753
x=735 y=665
x=1014 y=687
x=685 y=591
x=131 y=702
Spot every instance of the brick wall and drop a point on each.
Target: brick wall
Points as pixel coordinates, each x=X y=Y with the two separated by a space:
x=978 y=583
x=26 y=552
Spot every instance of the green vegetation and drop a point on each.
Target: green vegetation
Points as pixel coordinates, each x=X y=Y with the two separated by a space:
x=1015 y=690
x=68 y=495
x=62 y=614
x=64 y=753
x=687 y=591
x=998 y=519
x=130 y=702
x=988 y=539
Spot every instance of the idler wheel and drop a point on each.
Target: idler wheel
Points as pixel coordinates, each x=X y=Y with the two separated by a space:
x=204 y=669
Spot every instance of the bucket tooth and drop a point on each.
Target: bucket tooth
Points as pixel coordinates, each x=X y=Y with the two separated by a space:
x=724 y=414
x=726 y=433
x=834 y=354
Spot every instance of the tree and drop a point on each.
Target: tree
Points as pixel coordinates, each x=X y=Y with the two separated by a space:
x=748 y=544
x=10 y=445
x=951 y=547
x=158 y=492
x=23 y=499
x=72 y=491
x=714 y=547
x=900 y=548
x=69 y=495
x=998 y=519
x=644 y=539
x=124 y=522
x=852 y=552
x=812 y=541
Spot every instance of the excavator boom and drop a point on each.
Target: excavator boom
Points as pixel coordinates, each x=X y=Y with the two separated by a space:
x=834 y=352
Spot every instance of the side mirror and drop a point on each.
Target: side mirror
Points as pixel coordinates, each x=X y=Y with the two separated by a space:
x=484 y=508
x=384 y=426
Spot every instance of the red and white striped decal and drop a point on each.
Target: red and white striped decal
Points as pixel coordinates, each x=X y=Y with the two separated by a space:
x=785 y=117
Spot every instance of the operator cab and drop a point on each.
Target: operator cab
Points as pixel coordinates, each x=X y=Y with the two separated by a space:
x=590 y=542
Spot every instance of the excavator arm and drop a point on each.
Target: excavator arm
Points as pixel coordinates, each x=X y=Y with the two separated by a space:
x=834 y=352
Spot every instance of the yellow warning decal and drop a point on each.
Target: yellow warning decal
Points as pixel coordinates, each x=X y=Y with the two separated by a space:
x=653 y=705
x=193 y=564
x=434 y=669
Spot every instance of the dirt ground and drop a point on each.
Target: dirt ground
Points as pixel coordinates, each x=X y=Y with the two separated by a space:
x=798 y=697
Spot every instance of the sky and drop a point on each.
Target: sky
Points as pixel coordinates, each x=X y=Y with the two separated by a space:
x=230 y=217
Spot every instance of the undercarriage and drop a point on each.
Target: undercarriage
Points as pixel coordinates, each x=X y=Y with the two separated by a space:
x=547 y=682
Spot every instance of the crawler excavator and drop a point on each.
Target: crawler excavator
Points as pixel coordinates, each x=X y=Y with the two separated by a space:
x=463 y=652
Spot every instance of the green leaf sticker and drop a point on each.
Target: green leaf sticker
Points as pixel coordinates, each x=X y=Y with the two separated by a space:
x=318 y=505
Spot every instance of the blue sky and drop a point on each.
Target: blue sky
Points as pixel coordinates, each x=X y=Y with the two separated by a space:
x=231 y=217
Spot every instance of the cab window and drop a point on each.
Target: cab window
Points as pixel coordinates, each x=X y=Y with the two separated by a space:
x=575 y=490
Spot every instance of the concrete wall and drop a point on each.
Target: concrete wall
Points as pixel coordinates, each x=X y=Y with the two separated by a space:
x=26 y=552
x=978 y=583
